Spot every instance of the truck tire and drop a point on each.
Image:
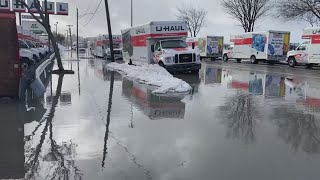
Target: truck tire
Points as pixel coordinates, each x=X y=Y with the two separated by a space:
x=309 y=66
x=292 y=62
x=271 y=62
x=239 y=60
x=254 y=60
x=225 y=58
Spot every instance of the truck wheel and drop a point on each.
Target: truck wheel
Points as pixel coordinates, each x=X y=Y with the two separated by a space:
x=239 y=60
x=309 y=66
x=225 y=58
x=271 y=62
x=292 y=62
x=254 y=60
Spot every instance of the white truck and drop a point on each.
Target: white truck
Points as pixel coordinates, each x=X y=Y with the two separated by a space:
x=163 y=43
x=270 y=46
x=308 y=53
x=102 y=47
x=208 y=47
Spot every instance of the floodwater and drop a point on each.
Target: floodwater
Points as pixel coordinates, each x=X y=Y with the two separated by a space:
x=235 y=125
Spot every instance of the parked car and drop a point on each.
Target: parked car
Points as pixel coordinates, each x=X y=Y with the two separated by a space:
x=32 y=54
x=41 y=52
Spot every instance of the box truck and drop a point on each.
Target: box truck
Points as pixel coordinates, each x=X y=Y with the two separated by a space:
x=270 y=46
x=163 y=43
x=308 y=53
x=208 y=47
x=102 y=47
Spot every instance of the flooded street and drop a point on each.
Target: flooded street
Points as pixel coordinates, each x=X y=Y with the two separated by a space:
x=241 y=122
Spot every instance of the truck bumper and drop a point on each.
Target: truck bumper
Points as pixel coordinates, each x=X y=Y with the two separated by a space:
x=183 y=67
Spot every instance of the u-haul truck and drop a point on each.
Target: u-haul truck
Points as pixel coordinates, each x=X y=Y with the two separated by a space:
x=308 y=53
x=208 y=47
x=270 y=46
x=163 y=43
x=102 y=47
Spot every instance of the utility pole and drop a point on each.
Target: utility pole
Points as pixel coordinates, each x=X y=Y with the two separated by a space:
x=70 y=37
x=109 y=30
x=77 y=34
x=131 y=13
x=67 y=31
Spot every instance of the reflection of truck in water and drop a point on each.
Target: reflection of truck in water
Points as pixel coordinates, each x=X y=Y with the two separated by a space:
x=212 y=75
x=103 y=73
x=208 y=47
x=155 y=107
x=163 y=43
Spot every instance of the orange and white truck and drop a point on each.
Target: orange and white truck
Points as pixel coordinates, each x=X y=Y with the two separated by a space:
x=163 y=43
x=308 y=53
x=270 y=46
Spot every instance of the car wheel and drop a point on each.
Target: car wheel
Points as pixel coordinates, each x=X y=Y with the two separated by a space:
x=292 y=62
x=239 y=60
x=24 y=64
x=225 y=58
x=254 y=60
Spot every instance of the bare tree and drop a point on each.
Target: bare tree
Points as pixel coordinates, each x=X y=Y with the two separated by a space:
x=307 y=10
x=195 y=18
x=44 y=21
x=247 y=12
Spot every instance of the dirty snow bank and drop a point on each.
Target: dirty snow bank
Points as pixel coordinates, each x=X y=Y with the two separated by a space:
x=153 y=75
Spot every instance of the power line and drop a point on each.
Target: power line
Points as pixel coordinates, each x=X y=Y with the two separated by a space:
x=94 y=13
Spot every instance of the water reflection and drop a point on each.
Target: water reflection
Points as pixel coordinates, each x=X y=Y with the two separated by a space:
x=58 y=160
x=238 y=114
x=153 y=106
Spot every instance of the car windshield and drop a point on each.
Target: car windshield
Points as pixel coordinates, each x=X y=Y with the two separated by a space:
x=173 y=44
x=30 y=44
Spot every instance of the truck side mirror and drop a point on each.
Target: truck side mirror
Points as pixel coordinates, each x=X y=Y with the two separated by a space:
x=193 y=45
x=152 y=48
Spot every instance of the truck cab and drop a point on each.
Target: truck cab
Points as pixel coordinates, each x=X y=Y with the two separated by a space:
x=228 y=53
x=302 y=55
x=175 y=55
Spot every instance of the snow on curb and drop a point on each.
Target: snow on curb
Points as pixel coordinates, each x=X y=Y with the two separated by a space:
x=153 y=75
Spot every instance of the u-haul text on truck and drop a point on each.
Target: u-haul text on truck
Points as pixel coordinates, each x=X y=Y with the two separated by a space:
x=163 y=43
x=307 y=53
x=270 y=46
x=208 y=47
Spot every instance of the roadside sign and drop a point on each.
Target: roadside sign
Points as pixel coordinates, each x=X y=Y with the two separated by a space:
x=32 y=6
x=33 y=26
x=50 y=7
x=17 y=6
x=4 y=5
x=29 y=17
x=62 y=8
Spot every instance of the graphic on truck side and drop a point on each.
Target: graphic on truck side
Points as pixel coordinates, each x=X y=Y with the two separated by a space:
x=259 y=42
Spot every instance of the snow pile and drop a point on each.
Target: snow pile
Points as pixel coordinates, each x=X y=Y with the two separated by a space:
x=153 y=75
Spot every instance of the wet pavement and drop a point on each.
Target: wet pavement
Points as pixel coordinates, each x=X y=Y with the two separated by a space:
x=240 y=122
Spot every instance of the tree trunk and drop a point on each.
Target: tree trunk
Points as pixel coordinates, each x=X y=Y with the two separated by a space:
x=55 y=48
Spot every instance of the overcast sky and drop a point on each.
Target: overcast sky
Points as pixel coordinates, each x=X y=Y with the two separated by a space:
x=218 y=22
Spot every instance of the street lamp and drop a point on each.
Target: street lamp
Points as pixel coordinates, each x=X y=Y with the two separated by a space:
x=56 y=24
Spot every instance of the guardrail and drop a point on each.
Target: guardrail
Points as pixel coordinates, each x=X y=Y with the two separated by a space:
x=43 y=67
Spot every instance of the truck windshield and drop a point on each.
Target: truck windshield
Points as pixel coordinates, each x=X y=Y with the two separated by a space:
x=173 y=44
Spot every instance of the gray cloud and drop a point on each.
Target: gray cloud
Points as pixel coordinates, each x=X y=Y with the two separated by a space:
x=218 y=22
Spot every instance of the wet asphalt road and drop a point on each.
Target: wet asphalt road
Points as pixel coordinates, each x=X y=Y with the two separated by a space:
x=241 y=122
